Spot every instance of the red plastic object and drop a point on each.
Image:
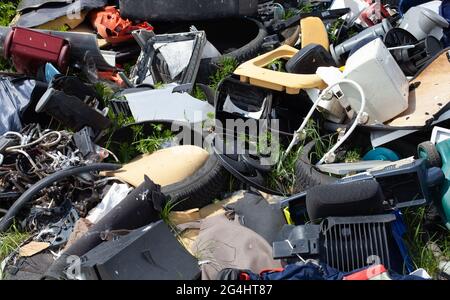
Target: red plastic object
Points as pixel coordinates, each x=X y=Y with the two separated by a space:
x=374 y=272
x=111 y=76
x=29 y=50
x=374 y=13
x=112 y=27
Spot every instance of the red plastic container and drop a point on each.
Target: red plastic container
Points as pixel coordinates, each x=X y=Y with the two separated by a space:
x=30 y=49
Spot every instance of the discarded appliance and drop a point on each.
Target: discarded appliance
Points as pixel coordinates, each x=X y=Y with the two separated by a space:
x=341 y=51
x=168 y=58
x=411 y=54
x=142 y=206
x=72 y=112
x=384 y=84
x=30 y=50
x=349 y=243
x=428 y=96
x=255 y=73
x=148 y=253
x=438 y=156
x=421 y=22
x=406 y=183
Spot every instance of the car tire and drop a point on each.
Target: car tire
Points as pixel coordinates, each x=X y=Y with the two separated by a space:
x=209 y=66
x=200 y=189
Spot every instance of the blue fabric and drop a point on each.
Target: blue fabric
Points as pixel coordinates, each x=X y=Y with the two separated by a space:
x=311 y=271
x=399 y=230
x=308 y=271
x=14 y=98
x=444 y=11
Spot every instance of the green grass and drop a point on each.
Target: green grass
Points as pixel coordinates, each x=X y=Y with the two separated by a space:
x=165 y=213
x=226 y=67
x=353 y=156
x=159 y=85
x=334 y=30
x=419 y=241
x=11 y=240
x=105 y=92
x=278 y=65
x=153 y=142
x=199 y=94
x=282 y=178
x=7 y=12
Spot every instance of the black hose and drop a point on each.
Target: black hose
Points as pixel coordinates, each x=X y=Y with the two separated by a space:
x=6 y=221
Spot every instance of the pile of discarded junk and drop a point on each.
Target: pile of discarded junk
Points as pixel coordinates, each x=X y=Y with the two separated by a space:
x=232 y=140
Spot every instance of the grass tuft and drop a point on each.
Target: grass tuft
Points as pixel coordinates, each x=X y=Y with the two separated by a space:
x=226 y=67
x=11 y=240
x=423 y=244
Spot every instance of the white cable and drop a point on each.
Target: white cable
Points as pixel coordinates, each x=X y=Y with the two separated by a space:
x=299 y=132
x=112 y=154
x=51 y=144
x=355 y=124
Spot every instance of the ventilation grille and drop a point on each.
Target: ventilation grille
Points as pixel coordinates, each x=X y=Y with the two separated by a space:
x=354 y=243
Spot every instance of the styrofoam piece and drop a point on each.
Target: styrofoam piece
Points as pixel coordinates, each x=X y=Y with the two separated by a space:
x=384 y=83
x=439 y=135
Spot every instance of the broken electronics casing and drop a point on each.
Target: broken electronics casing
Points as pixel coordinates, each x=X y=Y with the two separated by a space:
x=404 y=184
x=348 y=243
x=176 y=62
x=385 y=86
x=30 y=50
x=148 y=253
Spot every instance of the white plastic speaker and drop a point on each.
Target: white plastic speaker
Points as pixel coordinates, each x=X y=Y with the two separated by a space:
x=385 y=85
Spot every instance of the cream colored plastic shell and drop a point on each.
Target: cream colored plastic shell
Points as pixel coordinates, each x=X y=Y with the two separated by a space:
x=255 y=73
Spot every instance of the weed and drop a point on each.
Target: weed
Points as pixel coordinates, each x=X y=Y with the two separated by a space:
x=63 y=28
x=282 y=177
x=322 y=143
x=11 y=240
x=289 y=14
x=306 y=8
x=278 y=65
x=165 y=213
x=155 y=141
x=5 y=65
x=334 y=29
x=418 y=241
x=226 y=67
x=7 y=12
x=159 y=85
x=353 y=156
x=199 y=94
x=104 y=92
